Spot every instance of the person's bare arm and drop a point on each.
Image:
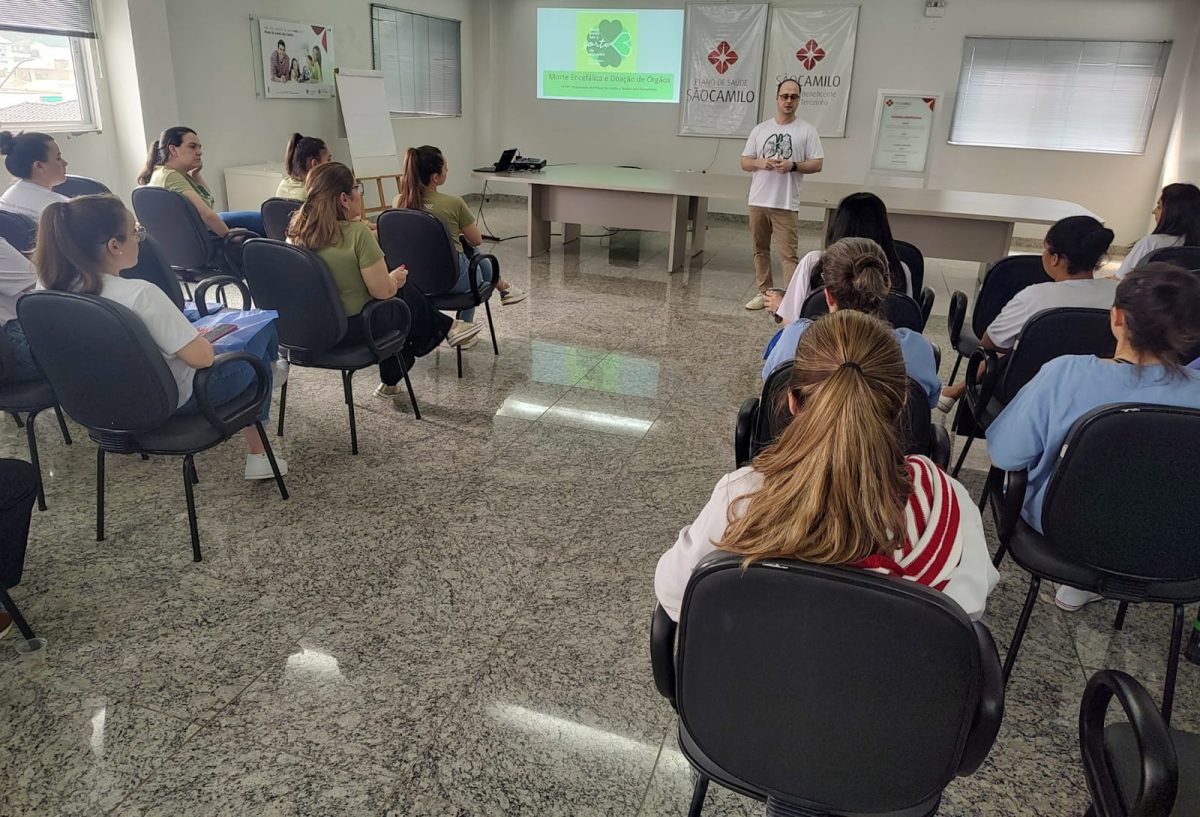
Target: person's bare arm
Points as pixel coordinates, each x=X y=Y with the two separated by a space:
x=208 y=215
x=380 y=282
x=987 y=343
x=198 y=353
x=472 y=234
x=810 y=166
x=750 y=164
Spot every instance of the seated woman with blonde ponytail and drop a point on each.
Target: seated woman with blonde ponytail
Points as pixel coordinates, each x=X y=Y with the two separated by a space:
x=836 y=487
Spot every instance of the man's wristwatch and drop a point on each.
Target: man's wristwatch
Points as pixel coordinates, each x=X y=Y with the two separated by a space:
x=795 y=166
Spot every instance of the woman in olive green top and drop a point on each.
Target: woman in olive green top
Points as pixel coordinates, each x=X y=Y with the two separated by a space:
x=425 y=170
x=356 y=264
x=174 y=162
x=303 y=153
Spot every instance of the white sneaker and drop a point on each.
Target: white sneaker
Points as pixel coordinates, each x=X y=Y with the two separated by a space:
x=389 y=392
x=259 y=467
x=946 y=403
x=1071 y=599
x=462 y=331
x=757 y=302
x=280 y=375
x=512 y=295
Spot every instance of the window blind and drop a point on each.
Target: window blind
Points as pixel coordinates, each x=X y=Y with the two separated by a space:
x=420 y=57
x=70 y=18
x=1080 y=95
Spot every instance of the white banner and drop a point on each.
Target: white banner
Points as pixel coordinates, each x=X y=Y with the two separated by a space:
x=297 y=59
x=815 y=47
x=722 y=68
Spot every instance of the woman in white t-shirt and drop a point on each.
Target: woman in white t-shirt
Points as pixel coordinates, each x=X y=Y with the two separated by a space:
x=859 y=215
x=1176 y=224
x=84 y=244
x=1074 y=248
x=37 y=166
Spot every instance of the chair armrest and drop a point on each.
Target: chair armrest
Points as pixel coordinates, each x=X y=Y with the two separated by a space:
x=231 y=249
x=956 y=316
x=662 y=653
x=386 y=343
x=1011 y=499
x=1159 y=781
x=939 y=446
x=990 y=711
x=743 y=432
x=262 y=391
x=475 y=261
x=219 y=281
x=980 y=388
x=937 y=356
x=928 y=297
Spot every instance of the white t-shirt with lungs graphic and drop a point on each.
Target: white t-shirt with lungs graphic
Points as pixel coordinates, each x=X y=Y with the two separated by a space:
x=797 y=141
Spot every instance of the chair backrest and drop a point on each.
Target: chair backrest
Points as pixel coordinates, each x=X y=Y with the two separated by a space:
x=276 y=213
x=174 y=222
x=152 y=266
x=19 y=230
x=833 y=689
x=420 y=242
x=902 y=311
x=912 y=256
x=1186 y=257
x=295 y=283
x=104 y=367
x=74 y=186
x=916 y=424
x=1140 y=526
x=1053 y=333
x=1003 y=280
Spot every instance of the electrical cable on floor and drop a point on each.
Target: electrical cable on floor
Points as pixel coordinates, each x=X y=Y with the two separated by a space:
x=487 y=231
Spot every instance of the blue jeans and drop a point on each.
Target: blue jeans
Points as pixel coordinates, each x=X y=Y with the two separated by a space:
x=248 y=219
x=26 y=369
x=482 y=273
x=231 y=380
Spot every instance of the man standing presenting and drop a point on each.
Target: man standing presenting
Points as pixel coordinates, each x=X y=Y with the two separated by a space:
x=778 y=154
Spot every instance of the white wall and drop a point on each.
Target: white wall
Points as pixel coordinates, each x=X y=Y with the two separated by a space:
x=898 y=48
x=1182 y=162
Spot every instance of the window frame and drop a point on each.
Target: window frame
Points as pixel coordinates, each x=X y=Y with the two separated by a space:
x=1167 y=46
x=83 y=57
x=377 y=67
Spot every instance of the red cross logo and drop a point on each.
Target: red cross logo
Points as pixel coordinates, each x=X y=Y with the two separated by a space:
x=722 y=57
x=810 y=54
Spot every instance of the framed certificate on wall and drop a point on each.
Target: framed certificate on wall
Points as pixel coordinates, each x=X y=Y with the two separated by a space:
x=904 y=122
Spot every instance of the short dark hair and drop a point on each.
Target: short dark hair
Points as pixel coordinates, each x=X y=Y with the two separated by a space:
x=1082 y=239
x=281 y=42
x=1180 y=213
x=864 y=215
x=1161 y=303
x=788 y=79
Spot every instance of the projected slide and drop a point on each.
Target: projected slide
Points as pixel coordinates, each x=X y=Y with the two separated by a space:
x=622 y=55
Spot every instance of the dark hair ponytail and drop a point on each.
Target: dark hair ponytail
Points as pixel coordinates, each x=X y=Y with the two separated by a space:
x=864 y=215
x=1082 y=239
x=1161 y=303
x=301 y=149
x=71 y=239
x=420 y=166
x=1180 y=213
x=160 y=150
x=22 y=150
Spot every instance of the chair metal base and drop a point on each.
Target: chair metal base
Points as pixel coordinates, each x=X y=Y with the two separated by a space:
x=348 y=396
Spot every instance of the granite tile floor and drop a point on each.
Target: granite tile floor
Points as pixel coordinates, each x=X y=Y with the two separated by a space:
x=455 y=621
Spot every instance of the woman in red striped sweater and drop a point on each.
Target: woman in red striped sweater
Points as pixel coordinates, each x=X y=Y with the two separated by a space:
x=836 y=488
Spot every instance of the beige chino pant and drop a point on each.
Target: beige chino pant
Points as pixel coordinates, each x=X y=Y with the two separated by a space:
x=773 y=229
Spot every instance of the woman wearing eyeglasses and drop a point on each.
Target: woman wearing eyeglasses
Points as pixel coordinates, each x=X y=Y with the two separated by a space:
x=84 y=244
x=326 y=224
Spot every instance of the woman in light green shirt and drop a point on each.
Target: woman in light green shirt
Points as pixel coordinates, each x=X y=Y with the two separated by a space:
x=356 y=263
x=302 y=155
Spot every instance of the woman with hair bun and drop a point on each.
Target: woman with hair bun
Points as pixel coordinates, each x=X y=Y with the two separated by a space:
x=1074 y=248
x=836 y=487
x=303 y=153
x=37 y=165
x=855 y=272
x=1155 y=319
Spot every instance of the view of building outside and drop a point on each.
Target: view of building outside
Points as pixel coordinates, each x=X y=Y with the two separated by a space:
x=38 y=82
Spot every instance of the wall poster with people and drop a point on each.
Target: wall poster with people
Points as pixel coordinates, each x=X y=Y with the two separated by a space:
x=297 y=59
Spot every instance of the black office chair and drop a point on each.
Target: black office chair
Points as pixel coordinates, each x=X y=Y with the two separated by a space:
x=312 y=324
x=915 y=261
x=826 y=690
x=188 y=245
x=97 y=354
x=1138 y=768
x=1049 y=334
x=80 y=186
x=762 y=419
x=30 y=398
x=420 y=242
x=276 y=215
x=1090 y=540
x=1186 y=257
x=19 y=230
x=902 y=311
x=1004 y=279
x=18 y=486
x=152 y=266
